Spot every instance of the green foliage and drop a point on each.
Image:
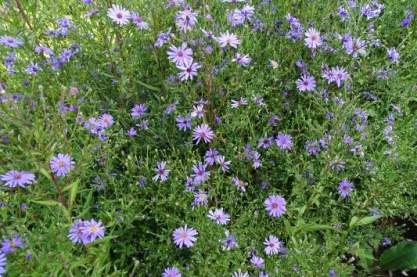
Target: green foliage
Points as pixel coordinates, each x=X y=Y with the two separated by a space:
x=402 y=256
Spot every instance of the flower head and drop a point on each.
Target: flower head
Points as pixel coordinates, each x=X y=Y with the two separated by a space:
x=3 y=262
x=203 y=133
x=228 y=39
x=306 y=83
x=181 y=55
x=61 y=164
x=345 y=188
x=275 y=205
x=10 y=245
x=92 y=230
x=15 y=178
x=171 y=272
x=313 y=39
x=219 y=216
x=184 y=236
x=188 y=70
x=161 y=171
x=272 y=245
x=10 y=42
x=118 y=14
x=284 y=141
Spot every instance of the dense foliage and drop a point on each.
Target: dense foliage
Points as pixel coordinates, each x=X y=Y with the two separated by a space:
x=205 y=137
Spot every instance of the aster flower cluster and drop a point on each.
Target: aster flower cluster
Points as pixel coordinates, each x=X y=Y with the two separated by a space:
x=86 y=231
x=98 y=126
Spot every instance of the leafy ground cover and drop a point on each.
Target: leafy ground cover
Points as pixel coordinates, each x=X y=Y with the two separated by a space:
x=206 y=138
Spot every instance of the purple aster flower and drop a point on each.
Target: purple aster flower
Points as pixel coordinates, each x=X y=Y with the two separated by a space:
x=118 y=14
x=211 y=156
x=407 y=20
x=198 y=111
x=106 y=120
x=284 y=141
x=275 y=205
x=171 y=272
x=10 y=42
x=61 y=164
x=184 y=236
x=240 y=274
x=306 y=83
x=337 y=75
x=313 y=39
x=273 y=120
x=372 y=9
x=181 y=55
x=15 y=178
x=161 y=172
x=200 y=174
x=228 y=39
x=163 y=38
x=171 y=107
x=224 y=165
x=345 y=188
x=229 y=242
x=76 y=232
x=10 y=245
x=32 y=69
x=132 y=132
x=393 y=55
x=203 y=133
x=219 y=216
x=200 y=198
x=183 y=122
x=3 y=262
x=257 y=262
x=272 y=245
x=354 y=46
x=188 y=70
x=92 y=230
x=247 y=11
x=312 y=147
x=186 y=19
x=138 y=110
x=235 y=17
x=332 y=272
x=237 y=103
x=241 y=59
x=265 y=142
x=138 y=21
x=343 y=13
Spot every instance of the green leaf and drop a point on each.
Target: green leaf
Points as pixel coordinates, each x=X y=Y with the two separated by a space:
x=355 y=221
x=73 y=192
x=402 y=256
x=54 y=203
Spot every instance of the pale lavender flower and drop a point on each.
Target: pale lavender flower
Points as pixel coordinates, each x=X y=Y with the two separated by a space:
x=132 y=132
x=284 y=141
x=61 y=164
x=372 y=9
x=200 y=198
x=272 y=245
x=345 y=188
x=257 y=262
x=181 y=55
x=106 y=120
x=138 y=110
x=15 y=178
x=247 y=11
x=183 y=122
x=32 y=69
x=241 y=59
x=161 y=172
x=91 y=231
x=10 y=42
x=237 y=103
x=211 y=156
x=200 y=173
x=184 y=236
x=235 y=17
x=118 y=14
x=198 y=111
x=228 y=39
x=188 y=70
x=163 y=38
x=393 y=55
x=10 y=245
x=219 y=216
x=76 y=231
x=138 y=21
x=224 y=165
x=3 y=262
x=171 y=272
x=203 y=133
x=275 y=205
x=229 y=242
x=186 y=19
x=240 y=274
x=312 y=147
x=306 y=83
x=313 y=39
